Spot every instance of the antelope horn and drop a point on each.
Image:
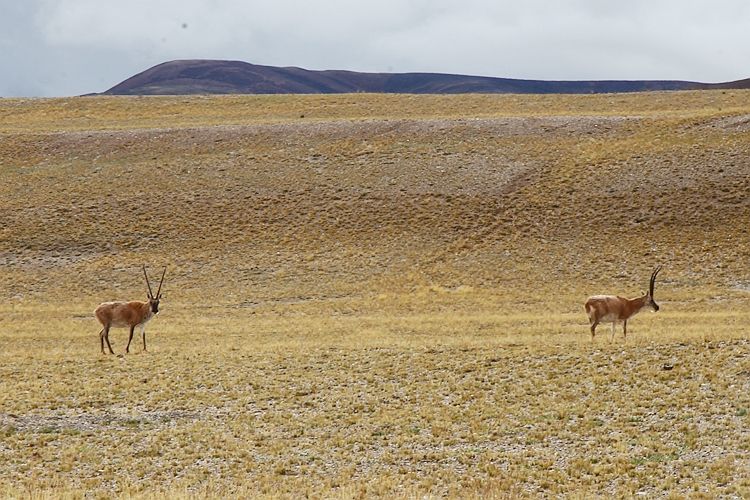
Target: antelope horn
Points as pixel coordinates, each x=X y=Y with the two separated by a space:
x=158 y=293
x=653 y=280
x=150 y=293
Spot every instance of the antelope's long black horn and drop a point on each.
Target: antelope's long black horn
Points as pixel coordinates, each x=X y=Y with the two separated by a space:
x=150 y=293
x=158 y=293
x=653 y=280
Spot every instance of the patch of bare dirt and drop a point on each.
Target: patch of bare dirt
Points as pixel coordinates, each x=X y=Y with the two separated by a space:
x=732 y=124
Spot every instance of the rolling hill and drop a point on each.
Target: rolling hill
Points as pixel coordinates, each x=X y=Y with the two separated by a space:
x=236 y=77
x=285 y=198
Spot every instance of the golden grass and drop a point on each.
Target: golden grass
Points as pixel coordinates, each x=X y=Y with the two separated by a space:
x=380 y=298
x=469 y=404
x=135 y=112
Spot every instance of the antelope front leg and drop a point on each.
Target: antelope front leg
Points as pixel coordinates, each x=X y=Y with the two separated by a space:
x=625 y=329
x=143 y=333
x=127 y=348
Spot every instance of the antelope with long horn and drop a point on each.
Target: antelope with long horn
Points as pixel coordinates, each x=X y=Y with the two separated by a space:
x=615 y=309
x=129 y=314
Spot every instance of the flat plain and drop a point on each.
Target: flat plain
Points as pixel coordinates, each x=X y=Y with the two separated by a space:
x=376 y=295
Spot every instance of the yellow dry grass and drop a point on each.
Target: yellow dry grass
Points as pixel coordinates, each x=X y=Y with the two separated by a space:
x=376 y=296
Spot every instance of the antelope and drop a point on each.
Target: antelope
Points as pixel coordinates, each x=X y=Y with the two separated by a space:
x=128 y=314
x=612 y=308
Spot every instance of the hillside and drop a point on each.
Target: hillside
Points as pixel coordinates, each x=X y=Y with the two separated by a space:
x=251 y=202
x=236 y=77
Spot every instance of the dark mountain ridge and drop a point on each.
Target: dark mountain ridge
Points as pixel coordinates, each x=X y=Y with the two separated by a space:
x=236 y=77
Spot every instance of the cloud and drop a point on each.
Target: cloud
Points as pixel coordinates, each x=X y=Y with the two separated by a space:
x=68 y=47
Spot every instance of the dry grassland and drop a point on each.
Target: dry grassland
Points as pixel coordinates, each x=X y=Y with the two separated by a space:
x=376 y=295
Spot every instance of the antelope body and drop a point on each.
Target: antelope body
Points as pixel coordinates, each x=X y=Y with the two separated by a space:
x=128 y=315
x=614 y=309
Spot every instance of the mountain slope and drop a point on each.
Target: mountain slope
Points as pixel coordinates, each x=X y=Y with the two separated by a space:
x=235 y=77
x=248 y=201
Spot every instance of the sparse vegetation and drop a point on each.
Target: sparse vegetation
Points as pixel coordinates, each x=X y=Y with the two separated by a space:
x=381 y=298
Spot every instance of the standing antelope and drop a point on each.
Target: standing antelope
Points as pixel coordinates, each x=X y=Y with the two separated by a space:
x=604 y=308
x=128 y=314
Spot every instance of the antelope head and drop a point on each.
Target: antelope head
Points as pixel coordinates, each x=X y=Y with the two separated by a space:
x=153 y=300
x=650 y=295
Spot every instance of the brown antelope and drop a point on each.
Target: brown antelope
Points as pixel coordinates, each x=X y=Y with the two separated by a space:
x=612 y=308
x=128 y=314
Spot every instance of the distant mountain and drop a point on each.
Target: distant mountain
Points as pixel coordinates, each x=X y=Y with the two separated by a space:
x=236 y=77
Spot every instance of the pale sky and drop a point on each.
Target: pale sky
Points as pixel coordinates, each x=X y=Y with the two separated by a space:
x=72 y=47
